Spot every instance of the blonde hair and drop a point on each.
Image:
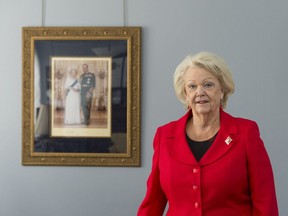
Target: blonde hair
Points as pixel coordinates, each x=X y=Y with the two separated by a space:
x=213 y=64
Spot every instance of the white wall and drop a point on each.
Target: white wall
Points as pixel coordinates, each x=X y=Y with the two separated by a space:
x=250 y=35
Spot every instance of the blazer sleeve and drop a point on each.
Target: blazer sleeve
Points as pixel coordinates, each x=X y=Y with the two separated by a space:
x=260 y=175
x=155 y=200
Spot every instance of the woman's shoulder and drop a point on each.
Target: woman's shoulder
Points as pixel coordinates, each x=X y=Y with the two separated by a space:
x=243 y=120
x=176 y=123
x=240 y=121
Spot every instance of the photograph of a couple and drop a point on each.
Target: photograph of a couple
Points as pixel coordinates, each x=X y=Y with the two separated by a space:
x=81 y=97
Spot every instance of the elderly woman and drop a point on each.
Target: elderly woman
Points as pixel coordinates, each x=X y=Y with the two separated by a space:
x=72 y=105
x=208 y=162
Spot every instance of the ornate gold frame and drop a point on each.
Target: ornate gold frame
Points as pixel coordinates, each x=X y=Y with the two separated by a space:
x=39 y=45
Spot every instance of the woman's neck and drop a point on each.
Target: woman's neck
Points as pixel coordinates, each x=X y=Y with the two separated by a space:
x=203 y=127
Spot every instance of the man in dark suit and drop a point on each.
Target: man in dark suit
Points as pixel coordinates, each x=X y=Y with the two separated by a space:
x=88 y=84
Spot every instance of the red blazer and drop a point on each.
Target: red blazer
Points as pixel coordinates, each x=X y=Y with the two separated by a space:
x=233 y=178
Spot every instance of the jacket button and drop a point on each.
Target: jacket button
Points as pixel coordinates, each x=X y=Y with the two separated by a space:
x=195 y=170
x=195 y=187
x=197 y=205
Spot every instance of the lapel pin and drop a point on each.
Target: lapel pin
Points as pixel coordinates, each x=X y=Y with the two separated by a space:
x=228 y=140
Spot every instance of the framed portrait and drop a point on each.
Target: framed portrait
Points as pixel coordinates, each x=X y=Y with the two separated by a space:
x=81 y=96
x=70 y=92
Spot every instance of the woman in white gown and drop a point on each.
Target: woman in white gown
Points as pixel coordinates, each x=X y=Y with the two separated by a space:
x=72 y=105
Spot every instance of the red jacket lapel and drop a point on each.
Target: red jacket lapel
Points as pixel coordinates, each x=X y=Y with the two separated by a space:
x=178 y=147
x=225 y=140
